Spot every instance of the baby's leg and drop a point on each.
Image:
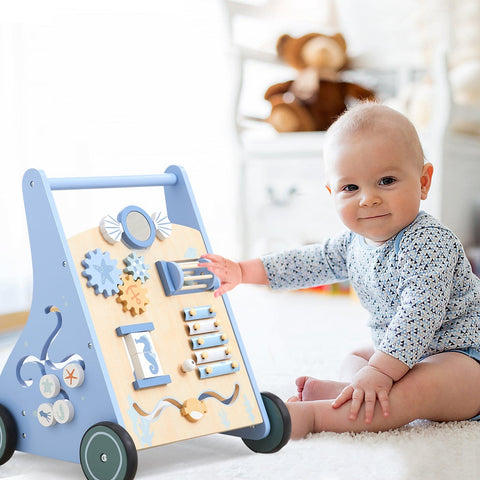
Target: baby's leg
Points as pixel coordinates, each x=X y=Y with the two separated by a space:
x=443 y=387
x=355 y=361
x=310 y=388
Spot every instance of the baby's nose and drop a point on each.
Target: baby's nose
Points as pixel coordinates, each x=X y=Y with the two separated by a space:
x=370 y=198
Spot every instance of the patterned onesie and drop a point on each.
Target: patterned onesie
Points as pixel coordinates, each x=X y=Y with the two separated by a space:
x=418 y=286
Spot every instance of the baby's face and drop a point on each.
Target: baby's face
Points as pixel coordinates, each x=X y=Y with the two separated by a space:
x=376 y=185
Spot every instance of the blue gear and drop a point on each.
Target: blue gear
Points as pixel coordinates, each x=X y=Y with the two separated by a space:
x=102 y=272
x=136 y=267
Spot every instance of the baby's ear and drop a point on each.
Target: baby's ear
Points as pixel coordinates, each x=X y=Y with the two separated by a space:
x=329 y=189
x=426 y=180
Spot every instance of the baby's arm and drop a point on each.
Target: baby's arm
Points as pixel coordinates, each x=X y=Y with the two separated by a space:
x=372 y=382
x=233 y=273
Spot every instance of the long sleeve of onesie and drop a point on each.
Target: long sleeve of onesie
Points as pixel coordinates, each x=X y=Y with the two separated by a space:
x=309 y=266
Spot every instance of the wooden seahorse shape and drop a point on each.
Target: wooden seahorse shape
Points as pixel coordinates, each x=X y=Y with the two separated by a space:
x=147 y=353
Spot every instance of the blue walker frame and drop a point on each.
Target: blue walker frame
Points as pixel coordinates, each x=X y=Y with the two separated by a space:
x=56 y=282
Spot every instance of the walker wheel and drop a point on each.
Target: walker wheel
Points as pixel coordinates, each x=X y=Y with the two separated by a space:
x=8 y=435
x=280 y=426
x=107 y=452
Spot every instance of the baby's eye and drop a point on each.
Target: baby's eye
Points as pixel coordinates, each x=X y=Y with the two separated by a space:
x=350 y=188
x=387 y=181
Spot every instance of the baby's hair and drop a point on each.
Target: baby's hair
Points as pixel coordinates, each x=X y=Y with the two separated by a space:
x=373 y=117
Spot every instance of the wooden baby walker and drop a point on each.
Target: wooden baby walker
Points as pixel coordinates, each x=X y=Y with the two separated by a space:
x=126 y=347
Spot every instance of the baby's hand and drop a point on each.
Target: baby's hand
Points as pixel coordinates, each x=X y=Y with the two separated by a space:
x=228 y=272
x=368 y=385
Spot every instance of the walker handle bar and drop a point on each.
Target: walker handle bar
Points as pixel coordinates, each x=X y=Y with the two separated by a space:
x=113 y=182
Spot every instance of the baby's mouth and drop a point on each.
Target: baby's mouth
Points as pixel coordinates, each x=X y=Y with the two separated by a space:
x=372 y=217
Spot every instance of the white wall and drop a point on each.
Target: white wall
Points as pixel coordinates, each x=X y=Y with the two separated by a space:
x=111 y=87
x=102 y=87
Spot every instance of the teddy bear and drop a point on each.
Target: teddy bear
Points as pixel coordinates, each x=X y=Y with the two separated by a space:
x=318 y=95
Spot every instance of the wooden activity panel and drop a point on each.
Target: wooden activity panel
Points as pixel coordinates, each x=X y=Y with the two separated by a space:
x=126 y=347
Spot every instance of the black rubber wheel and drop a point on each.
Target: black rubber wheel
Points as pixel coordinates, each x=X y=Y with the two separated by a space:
x=8 y=435
x=107 y=452
x=280 y=426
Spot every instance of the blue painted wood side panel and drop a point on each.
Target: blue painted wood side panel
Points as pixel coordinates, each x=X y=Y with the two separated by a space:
x=54 y=337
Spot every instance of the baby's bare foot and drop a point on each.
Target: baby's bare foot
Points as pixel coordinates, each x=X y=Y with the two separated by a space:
x=310 y=388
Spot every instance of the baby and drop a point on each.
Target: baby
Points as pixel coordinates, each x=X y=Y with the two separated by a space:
x=409 y=271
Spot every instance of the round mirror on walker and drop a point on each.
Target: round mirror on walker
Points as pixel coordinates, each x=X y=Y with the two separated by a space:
x=138 y=228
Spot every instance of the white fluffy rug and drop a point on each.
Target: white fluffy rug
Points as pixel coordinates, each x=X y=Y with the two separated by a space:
x=286 y=335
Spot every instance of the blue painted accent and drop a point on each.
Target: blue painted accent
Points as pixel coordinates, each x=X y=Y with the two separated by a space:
x=152 y=382
x=211 y=340
x=112 y=182
x=173 y=279
x=401 y=233
x=127 y=236
x=224 y=418
x=148 y=354
x=43 y=363
x=191 y=253
x=398 y=239
x=136 y=266
x=200 y=313
x=181 y=205
x=138 y=327
x=102 y=272
x=218 y=369
x=147 y=346
x=225 y=401
x=171 y=276
x=248 y=408
x=141 y=426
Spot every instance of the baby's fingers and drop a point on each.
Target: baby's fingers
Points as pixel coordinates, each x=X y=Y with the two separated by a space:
x=384 y=402
x=217 y=265
x=357 y=401
x=214 y=259
x=211 y=267
x=211 y=256
x=224 y=288
x=370 y=400
x=345 y=396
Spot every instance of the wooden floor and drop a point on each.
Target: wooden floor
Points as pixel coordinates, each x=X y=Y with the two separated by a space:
x=12 y=321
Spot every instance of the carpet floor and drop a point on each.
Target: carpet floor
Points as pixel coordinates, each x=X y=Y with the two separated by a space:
x=287 y=335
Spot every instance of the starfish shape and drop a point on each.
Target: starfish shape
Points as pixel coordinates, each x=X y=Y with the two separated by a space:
x=102 y=272
x=105 y=271
x=71 y=377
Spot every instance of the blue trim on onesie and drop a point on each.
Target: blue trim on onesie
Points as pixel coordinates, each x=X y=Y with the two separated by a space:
x=399 y=236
